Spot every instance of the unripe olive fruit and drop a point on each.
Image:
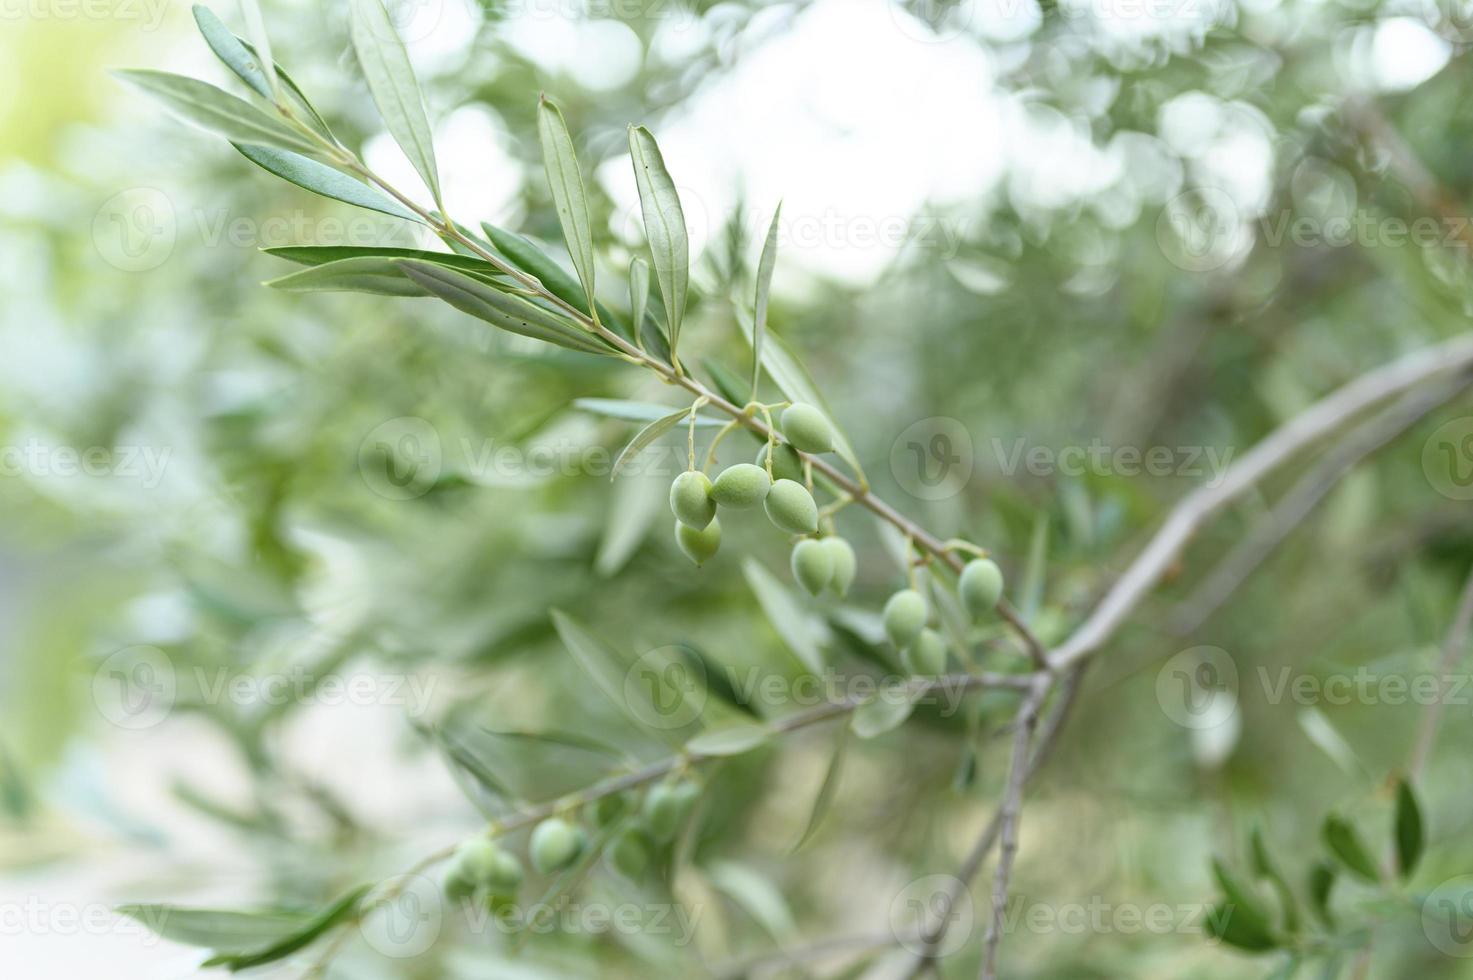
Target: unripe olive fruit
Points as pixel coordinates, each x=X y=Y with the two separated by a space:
x=741 y=486
x=790 y=506
x=457 y=886
x=786 y=463
x=845 y=564
x=926 y=656
x=690 y=498
x=807 y=429
x=905 y=617
x=630 y=853
x=980 y=586
x=813 y=565
x=555 y=845
x=666 y=806
x=482 y=862
x=700 y=545
x=607 y=809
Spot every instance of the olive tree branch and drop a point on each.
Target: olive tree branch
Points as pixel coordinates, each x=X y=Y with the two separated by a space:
x=1453 y=646
x=1280 y=446
x=1311 y=488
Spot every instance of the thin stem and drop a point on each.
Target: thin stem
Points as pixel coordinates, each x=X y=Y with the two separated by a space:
x=1453 y=646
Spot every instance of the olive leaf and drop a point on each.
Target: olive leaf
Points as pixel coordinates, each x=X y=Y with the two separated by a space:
x=1241 y=899
x=647 y=435
x=323 y=254
x=636 y=502
x=791 y=378
x=631 y=411
x=256 y=31
x=765 y=266
x=788 y=616
x=319 y=178
x=1265 y=868
x=514 y=315
x=568 y=197
x=886 y=711
x=525 y=255
x=367 y=274
x=214 y=109
x=1321 y=883
x=1409 y=829
x=825 y=797
x=233 y=52
x=345 y=907
x=1340 y=836
x=221 y=930
x=1230 y=925
x=728 y=383
x=395 y=91
x=664 y=226
x=733 y=740
x=639 y=296
x=539 y=766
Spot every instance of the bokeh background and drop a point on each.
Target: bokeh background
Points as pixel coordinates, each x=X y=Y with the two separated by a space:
x=1023 y=245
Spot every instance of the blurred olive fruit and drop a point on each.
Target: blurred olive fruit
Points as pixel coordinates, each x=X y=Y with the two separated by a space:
x=555 y=845
x=630 y=854
x=698 y=545
x=926 y=656
x=609 y=808
x=845 y=564
x=482 y=863
x=741 y=486
x=807 y=429
x=905 y=617
x=790 y=506
x=690 y=498
x=786 y=463
x=666 y=806
x=980 y=586
x=813 y=565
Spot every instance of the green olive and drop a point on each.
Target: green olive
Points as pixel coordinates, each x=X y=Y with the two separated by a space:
x=845 y=564
x=555 y=845
x=482 y=862
x=786 y=463
x=905 y=617
x=666 y=807
x=741 y=486
x=813 y=565
x=790 y=506
x=980 y=586
x=690 y=499
x=807 y=428
x=700 y=545
x=630 y=853
x=925 y=657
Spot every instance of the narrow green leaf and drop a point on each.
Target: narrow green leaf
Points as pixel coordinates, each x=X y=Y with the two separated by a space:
x=639 y=296
x=523 y=253
x=298 y=96
x=1321 y=883
x=631 y=411
x=828 y=788
x=1409 y=829
x=539 y=766
x=788 y=616
x=486 y=790
x=322 y=254
x=256 y=31
x=217 y=929
x=1240 y=898
x=214 y=109
x=664 y=226
x=647 y=435
x=794 y=381
x=735 y=740
x=368 y=274
x=886 y=712
x=765 y=265
x=231 y=51
x=1265 y=868
x=728 y=383
x=500 y=309
x=319 y=178
x=1344 y=843
x=1232 y=926
x=344 y=908
x=391 y=82
x=561 y=163
x=636 y=502
x=717 y=679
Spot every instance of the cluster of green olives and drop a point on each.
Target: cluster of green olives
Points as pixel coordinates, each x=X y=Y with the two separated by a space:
x=694 y=497
x=482 y=867
x=922 y=651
